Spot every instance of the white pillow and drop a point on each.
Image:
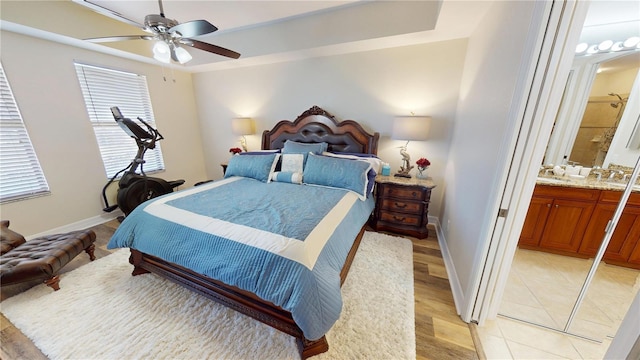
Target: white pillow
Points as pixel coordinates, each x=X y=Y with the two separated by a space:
x=376 y=163
x=293 y=163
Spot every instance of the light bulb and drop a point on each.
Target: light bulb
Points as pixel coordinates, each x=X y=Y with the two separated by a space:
x=631 y=42
x=581 y=47
x=182 y=55
x=592 y=49
x=605 y=45
x=617 y=46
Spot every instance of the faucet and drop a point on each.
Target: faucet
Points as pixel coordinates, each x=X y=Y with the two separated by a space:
x=613 y=173
x=599 y=173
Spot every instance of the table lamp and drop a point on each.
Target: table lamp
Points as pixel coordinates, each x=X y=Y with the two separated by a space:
x=243 y=126
x=409 y=128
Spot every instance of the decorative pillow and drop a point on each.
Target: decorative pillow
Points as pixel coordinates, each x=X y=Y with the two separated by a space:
x=288 y=177
x=376 y=162
x=339 y=173
x=258 y=167
x=292 y=163
x=294 y=147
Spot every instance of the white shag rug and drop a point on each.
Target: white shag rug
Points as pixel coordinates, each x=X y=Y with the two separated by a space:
x=102 y=312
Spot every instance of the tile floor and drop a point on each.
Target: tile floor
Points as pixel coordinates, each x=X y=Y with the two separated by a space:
x=542 y=289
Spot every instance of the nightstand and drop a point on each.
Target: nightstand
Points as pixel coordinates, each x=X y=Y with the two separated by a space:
x=402 y=205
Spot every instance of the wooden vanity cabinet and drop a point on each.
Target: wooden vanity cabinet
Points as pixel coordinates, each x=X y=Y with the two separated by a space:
x=535 y=221
x=624 y=247
x=557 y=219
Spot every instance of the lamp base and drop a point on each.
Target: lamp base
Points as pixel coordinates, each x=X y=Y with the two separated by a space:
x=402 y=175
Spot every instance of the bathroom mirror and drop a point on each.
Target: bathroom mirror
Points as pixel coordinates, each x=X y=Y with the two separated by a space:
x=598 y=121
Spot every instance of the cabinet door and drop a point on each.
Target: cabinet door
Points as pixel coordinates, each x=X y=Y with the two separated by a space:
x=624 y=239
x=566 y=225
x=534 y=222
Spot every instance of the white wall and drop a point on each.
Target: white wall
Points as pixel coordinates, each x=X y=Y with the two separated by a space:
x=629 y=127
x=43 y=79
x=369 y=87
x=491 y=72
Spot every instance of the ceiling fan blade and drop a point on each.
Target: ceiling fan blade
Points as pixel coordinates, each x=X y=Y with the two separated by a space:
x=193 y=28
x=119 y=38
x=210 y=48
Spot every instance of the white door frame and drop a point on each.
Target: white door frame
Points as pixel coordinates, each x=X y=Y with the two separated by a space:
x=553 y=51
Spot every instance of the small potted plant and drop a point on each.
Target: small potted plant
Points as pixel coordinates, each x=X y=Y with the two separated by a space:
x=423 y=164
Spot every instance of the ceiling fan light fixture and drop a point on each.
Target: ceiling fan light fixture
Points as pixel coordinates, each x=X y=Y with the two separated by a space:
x=182 y=55
x=162 y=52
x=161 y=47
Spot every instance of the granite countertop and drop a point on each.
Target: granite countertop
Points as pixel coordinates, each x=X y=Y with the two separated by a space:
x=589 y=182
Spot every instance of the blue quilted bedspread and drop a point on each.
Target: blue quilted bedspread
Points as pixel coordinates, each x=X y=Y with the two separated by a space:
x=284 y=242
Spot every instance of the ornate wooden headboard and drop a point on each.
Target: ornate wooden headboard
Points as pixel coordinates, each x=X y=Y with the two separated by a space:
x=316 y=125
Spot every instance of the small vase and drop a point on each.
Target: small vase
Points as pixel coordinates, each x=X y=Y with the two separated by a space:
x=422 y=173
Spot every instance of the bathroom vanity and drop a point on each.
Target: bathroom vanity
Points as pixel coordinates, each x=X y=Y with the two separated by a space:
x=570 y=217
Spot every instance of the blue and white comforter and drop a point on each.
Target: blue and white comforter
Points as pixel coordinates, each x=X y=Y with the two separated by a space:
x=284 y=242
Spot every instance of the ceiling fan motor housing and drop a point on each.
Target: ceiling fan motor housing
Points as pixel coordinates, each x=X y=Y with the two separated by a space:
x=158 y=23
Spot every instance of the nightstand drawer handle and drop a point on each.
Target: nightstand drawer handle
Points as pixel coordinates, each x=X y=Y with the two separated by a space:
x=398 y=219
x=401 y=205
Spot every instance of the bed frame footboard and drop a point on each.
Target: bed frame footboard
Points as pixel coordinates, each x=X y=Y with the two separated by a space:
x=237 y=299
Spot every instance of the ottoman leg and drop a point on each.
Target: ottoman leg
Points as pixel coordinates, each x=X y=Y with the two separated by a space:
x=53 y=283
x=89 y=250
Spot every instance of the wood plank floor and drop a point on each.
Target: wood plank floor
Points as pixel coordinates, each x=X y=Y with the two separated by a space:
x=440 y=334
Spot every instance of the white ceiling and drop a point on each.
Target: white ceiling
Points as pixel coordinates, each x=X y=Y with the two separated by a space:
x=266 y=31
x=226 y=15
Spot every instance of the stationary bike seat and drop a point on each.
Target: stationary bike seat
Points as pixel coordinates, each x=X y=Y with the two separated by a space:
x=175 y=183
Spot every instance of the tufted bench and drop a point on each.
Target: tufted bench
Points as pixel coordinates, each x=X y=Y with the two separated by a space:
x=40 y=258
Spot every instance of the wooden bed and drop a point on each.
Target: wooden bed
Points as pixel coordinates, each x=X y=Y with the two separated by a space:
x=312 y=126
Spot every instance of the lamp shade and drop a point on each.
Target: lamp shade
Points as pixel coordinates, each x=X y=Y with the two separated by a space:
x=242 y=126
x=411 y=128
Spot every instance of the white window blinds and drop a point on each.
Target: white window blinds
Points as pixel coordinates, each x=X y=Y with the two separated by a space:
x=20 y=172
x=104 y=88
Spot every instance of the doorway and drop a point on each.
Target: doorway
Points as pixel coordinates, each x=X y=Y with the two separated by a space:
x=554 y=281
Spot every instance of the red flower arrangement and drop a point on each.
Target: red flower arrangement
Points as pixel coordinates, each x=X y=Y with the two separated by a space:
x=423 y=163
x=235 y=150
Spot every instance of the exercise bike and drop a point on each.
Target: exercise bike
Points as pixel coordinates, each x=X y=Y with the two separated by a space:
x=134 y=188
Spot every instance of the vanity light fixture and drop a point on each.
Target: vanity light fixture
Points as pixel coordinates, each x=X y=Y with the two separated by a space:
x=606 y=46
x=241 y=127
x=409 y=128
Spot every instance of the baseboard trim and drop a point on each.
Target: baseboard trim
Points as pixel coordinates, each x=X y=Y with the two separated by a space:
x=79 y=225
x=456 y=288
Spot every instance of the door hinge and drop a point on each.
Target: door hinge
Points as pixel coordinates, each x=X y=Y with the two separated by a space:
x=503 y=213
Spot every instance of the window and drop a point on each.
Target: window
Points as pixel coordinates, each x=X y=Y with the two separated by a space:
x=104 y=88
x=20 y=172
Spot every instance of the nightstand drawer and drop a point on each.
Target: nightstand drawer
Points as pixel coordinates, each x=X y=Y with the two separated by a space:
x=400 y=219
x=405 y=192
x=414 y=207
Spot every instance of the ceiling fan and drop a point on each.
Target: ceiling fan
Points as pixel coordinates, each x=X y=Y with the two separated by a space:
x=168 y=34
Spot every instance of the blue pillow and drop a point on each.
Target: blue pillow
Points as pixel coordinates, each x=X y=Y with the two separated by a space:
x=294 y=147
x=258 y=167
x=339 y=173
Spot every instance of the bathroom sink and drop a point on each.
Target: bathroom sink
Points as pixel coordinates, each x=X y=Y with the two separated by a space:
x=552 y=180
x=621 y=185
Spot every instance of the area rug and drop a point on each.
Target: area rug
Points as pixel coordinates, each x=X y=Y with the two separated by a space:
x=102 y=312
